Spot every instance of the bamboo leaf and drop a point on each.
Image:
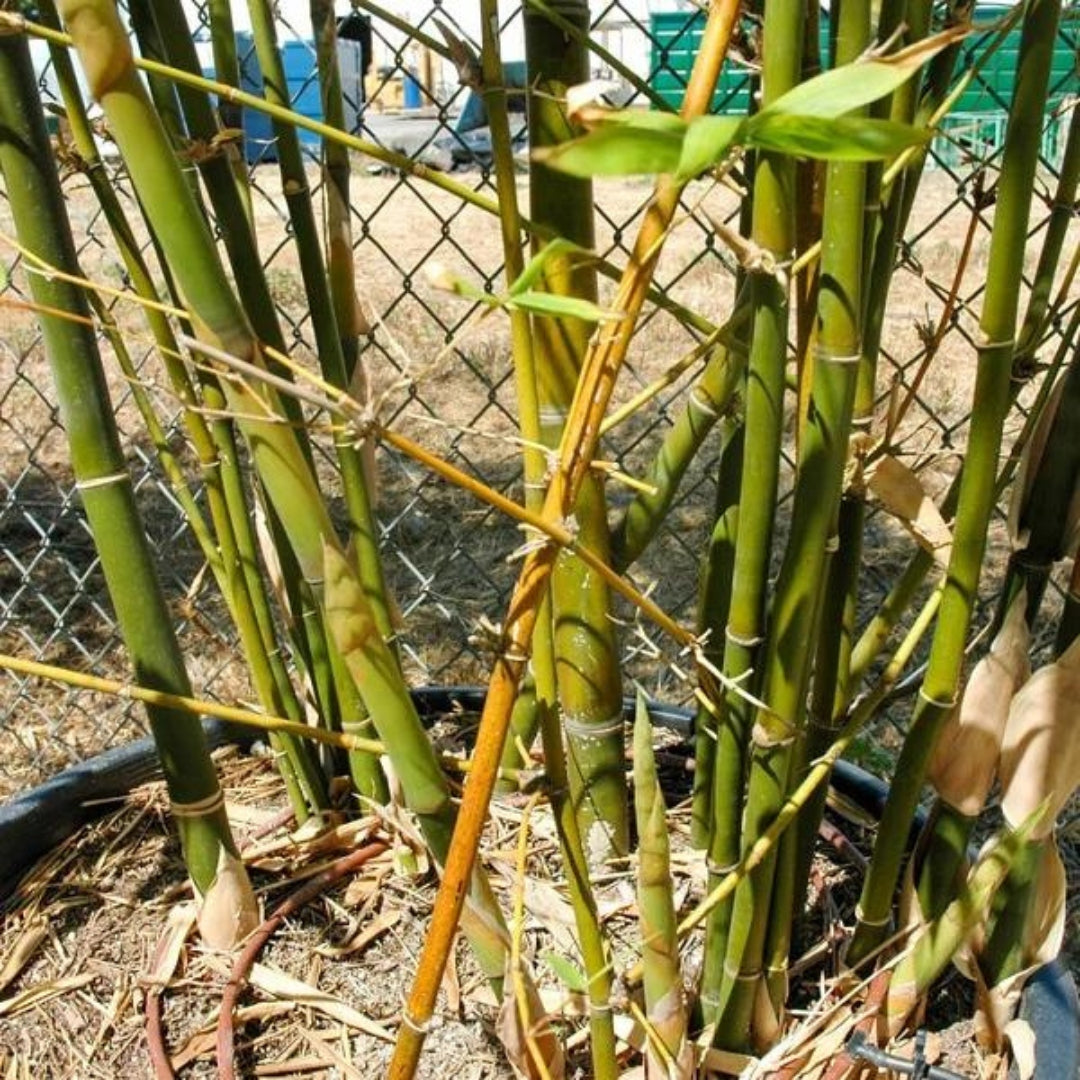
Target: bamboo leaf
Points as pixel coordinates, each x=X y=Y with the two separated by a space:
x=538 y=263
x=831 y=138
x=901 y=493
x=441 y=277
x=965 y=758
x=708 y=139
x=617 y=149
x=852 y=86
x=597 y=116
x=566 y=971
x=277 y=983
x=543 y=303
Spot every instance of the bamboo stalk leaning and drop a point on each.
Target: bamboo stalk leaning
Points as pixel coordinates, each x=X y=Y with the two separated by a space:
x=599 y=371
x=228 y=907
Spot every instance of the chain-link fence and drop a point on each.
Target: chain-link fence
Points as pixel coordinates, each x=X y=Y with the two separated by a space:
x=447 y=378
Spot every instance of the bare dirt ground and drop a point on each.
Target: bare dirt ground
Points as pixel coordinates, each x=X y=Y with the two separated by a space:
x=86 y=949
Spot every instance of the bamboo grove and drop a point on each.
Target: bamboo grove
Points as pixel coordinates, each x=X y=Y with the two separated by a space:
x=788 y=668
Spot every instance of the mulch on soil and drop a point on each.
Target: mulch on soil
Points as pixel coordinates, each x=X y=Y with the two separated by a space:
x=98 y=937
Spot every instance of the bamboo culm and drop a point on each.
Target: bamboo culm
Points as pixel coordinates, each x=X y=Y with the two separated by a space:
x=991 y=396
x=37 y=206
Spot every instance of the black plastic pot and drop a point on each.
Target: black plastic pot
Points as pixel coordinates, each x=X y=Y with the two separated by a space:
x=38 y=820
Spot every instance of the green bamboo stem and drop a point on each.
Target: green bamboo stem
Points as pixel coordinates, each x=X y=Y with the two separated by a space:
x=906 y=588
x=534 y=695
x=712 y=618
x=584 y=37
x=887 y=205
x=664 y=1002
x=814 y=534
x=107 y=61
x=329 y=338
x=935 y=947
x=997 y=332
x=227 y=70
x=1062 y=213
x=227 y=192
x=1043 y=519
x=216 y=169
x=941 y=856
x=590 y=938
x=1004 y=953
x=341 y=264
x=710 y=395
x=246 y=594
x=162 y=90
x=939 y=79
x=213 y=464
x=586 y=652
x=37 y=207
x=277 y=455
x=795 y=803
x=773 y=232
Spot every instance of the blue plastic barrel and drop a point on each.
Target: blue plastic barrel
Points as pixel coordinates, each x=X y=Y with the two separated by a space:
x=411 y=92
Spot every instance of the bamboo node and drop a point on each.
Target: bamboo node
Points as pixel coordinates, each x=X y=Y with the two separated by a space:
x=983 y=342
x=199 y=808
x=103 y=481
x=742 y=976
x=939 y=703
x=770 y=736
x=699 y=401
x=826 y=357
x=552 y=415
x=583 y=729
x=421 y=1027
x=746 y=641
x=860 y=916
x=717 y=870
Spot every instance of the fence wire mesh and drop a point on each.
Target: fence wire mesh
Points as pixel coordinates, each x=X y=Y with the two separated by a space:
x=448 y=382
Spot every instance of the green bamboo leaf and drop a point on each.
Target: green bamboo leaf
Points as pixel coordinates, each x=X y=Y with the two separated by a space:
x=444 y=279
x=566 y=971
x=852 y=86
x=617 y=149
x=542 y=303
x=593 y=117
x=537 y=264
x=837 y=139
x=708 y=139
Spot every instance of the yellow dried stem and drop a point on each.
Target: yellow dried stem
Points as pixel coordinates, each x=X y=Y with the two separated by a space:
x=966 y=756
